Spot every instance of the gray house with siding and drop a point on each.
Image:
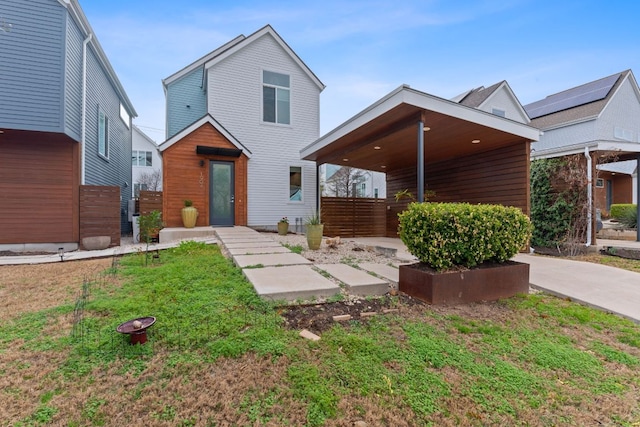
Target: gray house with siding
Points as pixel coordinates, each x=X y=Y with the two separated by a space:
x=65 y=121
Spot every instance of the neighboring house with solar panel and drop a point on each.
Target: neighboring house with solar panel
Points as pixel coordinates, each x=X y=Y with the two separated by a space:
x=594 y=119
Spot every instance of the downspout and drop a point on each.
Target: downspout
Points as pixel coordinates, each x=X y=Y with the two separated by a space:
x=84 y=107
x=589 y=196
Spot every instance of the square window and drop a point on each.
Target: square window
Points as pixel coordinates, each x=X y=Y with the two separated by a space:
x=295 y=184
x=600 y=183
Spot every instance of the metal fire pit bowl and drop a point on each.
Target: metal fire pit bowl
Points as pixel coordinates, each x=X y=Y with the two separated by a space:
x=136 y=329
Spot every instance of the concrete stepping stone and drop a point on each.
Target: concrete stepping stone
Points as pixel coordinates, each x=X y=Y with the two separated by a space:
x=382 y=270
x=266 y=260
x=253 y=244
x=259 y=250
x=357 y=281
x=298 y=282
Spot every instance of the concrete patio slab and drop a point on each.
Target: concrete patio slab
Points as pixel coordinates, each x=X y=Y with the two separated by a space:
x=382 y=270
x=259 y=250
x=266 y=260
x=290 y=283
x=252 y=244
x=357 y=281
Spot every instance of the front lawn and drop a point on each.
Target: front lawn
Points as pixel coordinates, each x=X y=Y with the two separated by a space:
x=219 y=356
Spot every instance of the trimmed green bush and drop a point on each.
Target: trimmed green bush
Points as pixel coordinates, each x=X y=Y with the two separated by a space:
x=443 y=235
x=622 y=210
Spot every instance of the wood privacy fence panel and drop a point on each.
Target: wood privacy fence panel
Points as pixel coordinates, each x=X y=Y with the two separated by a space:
x=353 y=216
x=100 y=212
x=150 y=201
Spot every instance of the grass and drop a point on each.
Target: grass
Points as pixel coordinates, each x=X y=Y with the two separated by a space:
x=613 y=261
x=219 y=355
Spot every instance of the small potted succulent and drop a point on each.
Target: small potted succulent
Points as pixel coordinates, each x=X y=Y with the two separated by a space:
x=189 y=214
x=283 y=226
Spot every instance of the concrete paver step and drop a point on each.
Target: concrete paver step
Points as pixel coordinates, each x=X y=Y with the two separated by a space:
x=290 y=283
x=266 y=260
x=252 y=244
x=259 y=250
x=382 y=270
x=357 y=281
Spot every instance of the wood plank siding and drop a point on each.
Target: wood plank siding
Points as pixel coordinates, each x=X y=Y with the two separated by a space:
x=149 y=201
x=498 y=176
x=353 y=217
x=184 y=177
x=39 y=178
x=100 y=212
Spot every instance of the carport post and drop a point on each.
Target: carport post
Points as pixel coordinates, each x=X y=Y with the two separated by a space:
x=420 y=161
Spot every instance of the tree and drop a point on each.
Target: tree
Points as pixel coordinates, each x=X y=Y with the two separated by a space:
x=151 y=181
x=345 y=182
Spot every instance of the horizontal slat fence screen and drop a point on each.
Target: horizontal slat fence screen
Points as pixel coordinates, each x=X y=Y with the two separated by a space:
x=150 y=201
x=353 y=216
x=100 y=212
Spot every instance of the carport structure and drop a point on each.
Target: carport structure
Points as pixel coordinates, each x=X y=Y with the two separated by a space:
x=423 y=142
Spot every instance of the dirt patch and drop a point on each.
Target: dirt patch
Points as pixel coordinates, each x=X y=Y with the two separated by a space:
x=30 y=288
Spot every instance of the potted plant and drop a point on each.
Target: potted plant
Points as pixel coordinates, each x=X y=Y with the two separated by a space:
x=314 y=230
x=464 y=252
x=189 y=214
x=283 y=226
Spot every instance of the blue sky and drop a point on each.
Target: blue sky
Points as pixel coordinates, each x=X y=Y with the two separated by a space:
x=361 y=50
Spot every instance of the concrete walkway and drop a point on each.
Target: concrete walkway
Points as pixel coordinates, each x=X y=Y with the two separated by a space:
x=277 y=274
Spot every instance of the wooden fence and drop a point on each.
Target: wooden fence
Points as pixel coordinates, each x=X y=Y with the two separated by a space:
x=100 y=212
x=353 y=216
x=150 y=201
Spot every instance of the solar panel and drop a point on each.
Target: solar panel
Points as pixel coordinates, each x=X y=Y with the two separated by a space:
x=590 y=92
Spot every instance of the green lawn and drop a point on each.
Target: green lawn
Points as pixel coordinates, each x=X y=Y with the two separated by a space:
x=219 y=356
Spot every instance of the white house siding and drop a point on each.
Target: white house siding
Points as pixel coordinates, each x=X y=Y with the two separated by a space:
x=141 y=142
x=622 y=111
x=501 y=99
x=573 y=135
x=235 y=100
x=186 y=101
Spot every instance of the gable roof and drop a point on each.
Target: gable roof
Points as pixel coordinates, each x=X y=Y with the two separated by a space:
x=627 y=167
x=267 y=29
x=581 y=103
x=207 y=118
x=234 y=46
x=477 y=98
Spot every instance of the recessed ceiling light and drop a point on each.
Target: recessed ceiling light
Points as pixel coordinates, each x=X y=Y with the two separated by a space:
x=345 y=160
x=377 y=147
x=475 y=141
x=383 y=166
x=427 y=128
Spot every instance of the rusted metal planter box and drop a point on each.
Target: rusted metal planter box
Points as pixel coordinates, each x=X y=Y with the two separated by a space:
x=487 y=282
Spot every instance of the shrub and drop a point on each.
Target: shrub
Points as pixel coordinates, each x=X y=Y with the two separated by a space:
x=443 y=235
x=630 y=219
x=622 y=210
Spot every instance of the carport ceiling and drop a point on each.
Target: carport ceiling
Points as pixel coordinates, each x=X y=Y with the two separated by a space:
x=384 y=137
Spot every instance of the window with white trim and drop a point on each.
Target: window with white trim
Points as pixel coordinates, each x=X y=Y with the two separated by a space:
x=599 y=183
x=103 y=134
x=137 y=187
x=295 y=183
x=276 y=105
x=141 y=158
x=498 y=112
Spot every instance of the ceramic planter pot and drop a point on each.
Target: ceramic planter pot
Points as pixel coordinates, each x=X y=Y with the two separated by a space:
x=189 y=216
x=314 y=236
x=283 y=228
